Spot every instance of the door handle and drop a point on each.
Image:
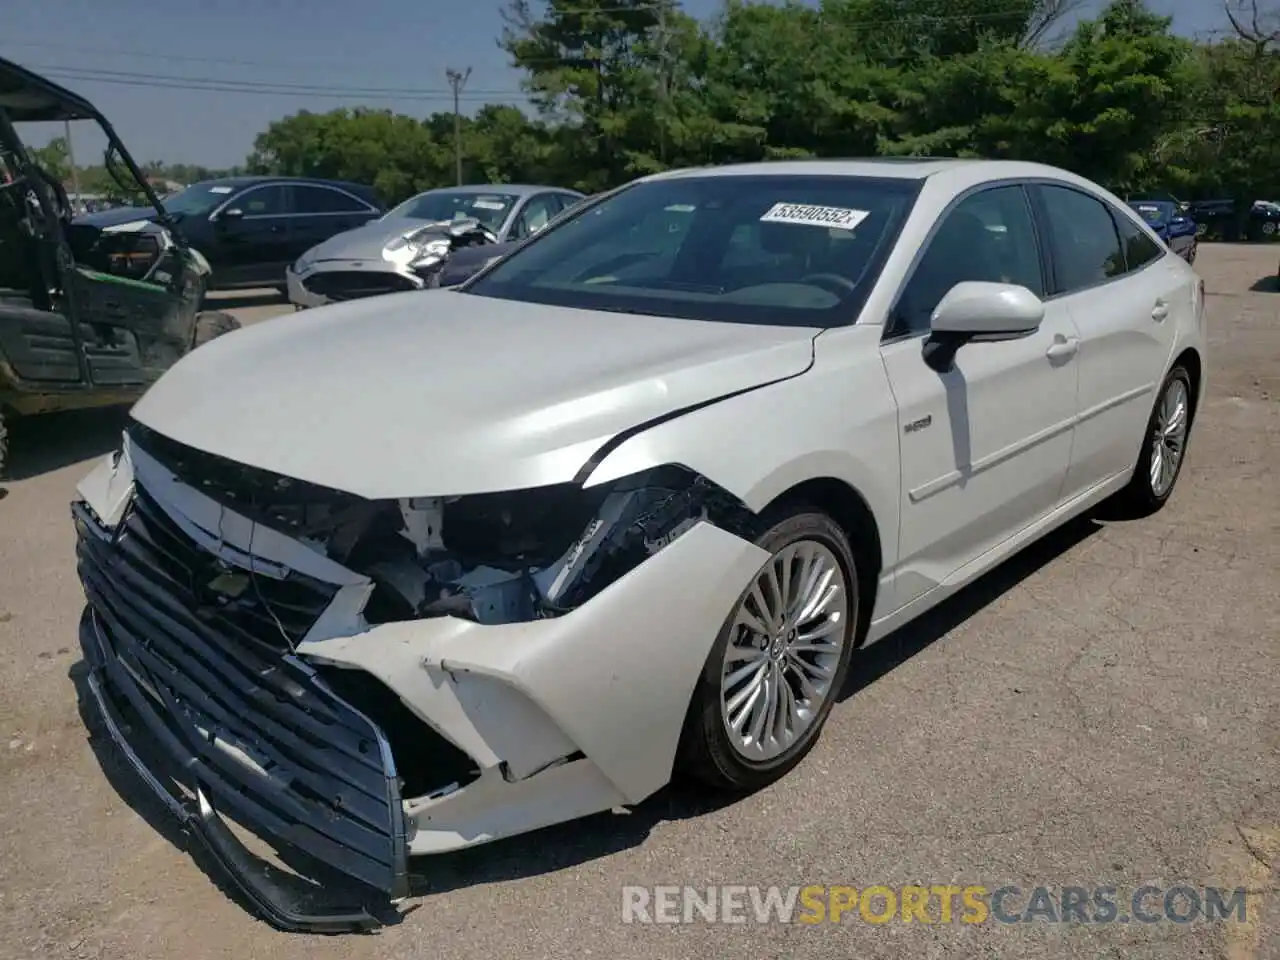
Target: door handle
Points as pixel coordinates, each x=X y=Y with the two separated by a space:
x=277 y=228
x=1062 y=348
x=1160 y=311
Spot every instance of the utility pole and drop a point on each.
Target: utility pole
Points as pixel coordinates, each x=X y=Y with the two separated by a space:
x=457 y=80
x=71 y=161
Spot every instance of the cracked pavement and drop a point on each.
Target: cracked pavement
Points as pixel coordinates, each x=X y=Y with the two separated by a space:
x=1102 y=710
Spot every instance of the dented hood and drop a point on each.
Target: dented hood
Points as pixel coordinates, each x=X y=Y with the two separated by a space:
x=439 y=393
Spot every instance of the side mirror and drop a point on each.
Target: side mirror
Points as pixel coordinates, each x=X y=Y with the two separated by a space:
x=231 y=213
x=977 y=311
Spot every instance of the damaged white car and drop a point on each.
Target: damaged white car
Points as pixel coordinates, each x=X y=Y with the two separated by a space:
x=419 y=572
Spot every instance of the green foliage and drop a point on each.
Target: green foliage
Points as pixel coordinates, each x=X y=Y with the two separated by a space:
x=623 y=88
x=53 y=157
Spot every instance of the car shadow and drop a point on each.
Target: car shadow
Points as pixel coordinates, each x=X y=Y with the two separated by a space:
x=138 y=796
x=545 y=851
x=1266 y=285
x=564 y=846
x=48 y=442
x=889 y=653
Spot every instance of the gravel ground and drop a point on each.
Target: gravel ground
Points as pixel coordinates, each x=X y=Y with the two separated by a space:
x=1103 y=710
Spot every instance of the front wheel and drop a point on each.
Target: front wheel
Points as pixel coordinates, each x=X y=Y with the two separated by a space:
x=779 y=661
x=4 y=445
x=1163 y=448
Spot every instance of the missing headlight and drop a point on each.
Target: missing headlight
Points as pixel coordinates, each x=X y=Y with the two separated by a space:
x=493 y=558
x=530 y=554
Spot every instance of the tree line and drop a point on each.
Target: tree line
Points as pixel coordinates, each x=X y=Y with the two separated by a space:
x=622 y=88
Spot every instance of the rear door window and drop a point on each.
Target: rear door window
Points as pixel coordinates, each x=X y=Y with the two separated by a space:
x=1139 y=248
x=1086 y=246
x=308 y=199
x=266 y=201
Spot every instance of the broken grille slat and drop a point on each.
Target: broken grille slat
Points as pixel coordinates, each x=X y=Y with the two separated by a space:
x=318 y=779
x=223 y=712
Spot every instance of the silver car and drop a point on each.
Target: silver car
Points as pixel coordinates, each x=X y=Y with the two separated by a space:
x=397 y=252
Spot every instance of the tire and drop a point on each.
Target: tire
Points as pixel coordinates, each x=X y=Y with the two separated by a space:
x=1144 y=496
x=213 y=324
x=708 y=752
x=4 y=447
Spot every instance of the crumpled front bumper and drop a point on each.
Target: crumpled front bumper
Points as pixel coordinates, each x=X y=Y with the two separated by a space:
x=216 y=726
x=285 y=902
x=555 y=719
x=382 y=276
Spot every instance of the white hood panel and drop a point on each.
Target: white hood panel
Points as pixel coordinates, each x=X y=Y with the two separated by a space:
x=439 y=393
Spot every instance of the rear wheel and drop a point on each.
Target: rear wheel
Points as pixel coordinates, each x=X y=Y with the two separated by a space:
x=779 y=661
x=213 y=324
x=1163 y=448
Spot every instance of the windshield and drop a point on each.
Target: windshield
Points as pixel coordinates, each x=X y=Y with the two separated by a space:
x=772 y=249
x=491 y=209
x=199 y=198
x=1153 y=211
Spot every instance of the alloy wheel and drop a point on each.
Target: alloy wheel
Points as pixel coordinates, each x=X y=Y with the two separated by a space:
x=1169 y=436
x=784 y=651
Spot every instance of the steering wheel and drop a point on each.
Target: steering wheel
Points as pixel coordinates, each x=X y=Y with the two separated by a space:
x=831 y=281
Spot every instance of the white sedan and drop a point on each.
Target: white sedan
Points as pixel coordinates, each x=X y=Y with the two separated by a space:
x=423 y=571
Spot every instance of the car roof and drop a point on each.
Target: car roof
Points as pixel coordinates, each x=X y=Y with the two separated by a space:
x=968 y=170
x=514 y=189
x=897 y=168
x=245 y=181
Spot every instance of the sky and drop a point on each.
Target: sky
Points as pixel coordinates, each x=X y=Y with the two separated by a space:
x=400 y=45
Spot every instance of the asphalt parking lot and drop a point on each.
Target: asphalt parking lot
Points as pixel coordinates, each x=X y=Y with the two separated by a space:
x=1102 y=711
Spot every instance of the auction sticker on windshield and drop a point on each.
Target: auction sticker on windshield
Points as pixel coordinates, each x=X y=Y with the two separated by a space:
x=839 y=218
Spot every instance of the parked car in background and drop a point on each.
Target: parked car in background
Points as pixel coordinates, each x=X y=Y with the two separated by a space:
x=1219 y=219
x=403 y=250
x=251 y=228
x=88 y=316
x=456 y=566
x=1175 y=227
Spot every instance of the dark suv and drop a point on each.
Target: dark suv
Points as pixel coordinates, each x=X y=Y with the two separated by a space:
x=1220 y=219
x=251 y=228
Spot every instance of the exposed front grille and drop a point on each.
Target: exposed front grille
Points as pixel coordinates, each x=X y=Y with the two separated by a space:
x=354 y=284
x=267 y=614
x=271 y=746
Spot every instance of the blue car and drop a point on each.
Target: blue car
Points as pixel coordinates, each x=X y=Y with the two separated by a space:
x=1176 y=229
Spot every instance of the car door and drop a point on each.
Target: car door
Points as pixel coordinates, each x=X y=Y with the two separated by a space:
x=251 y=237
x=537 y=212
x=1121 y=286
x=321 y=212
x=985 y=446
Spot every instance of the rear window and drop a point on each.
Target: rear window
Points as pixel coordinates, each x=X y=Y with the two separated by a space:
x=772 y=249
